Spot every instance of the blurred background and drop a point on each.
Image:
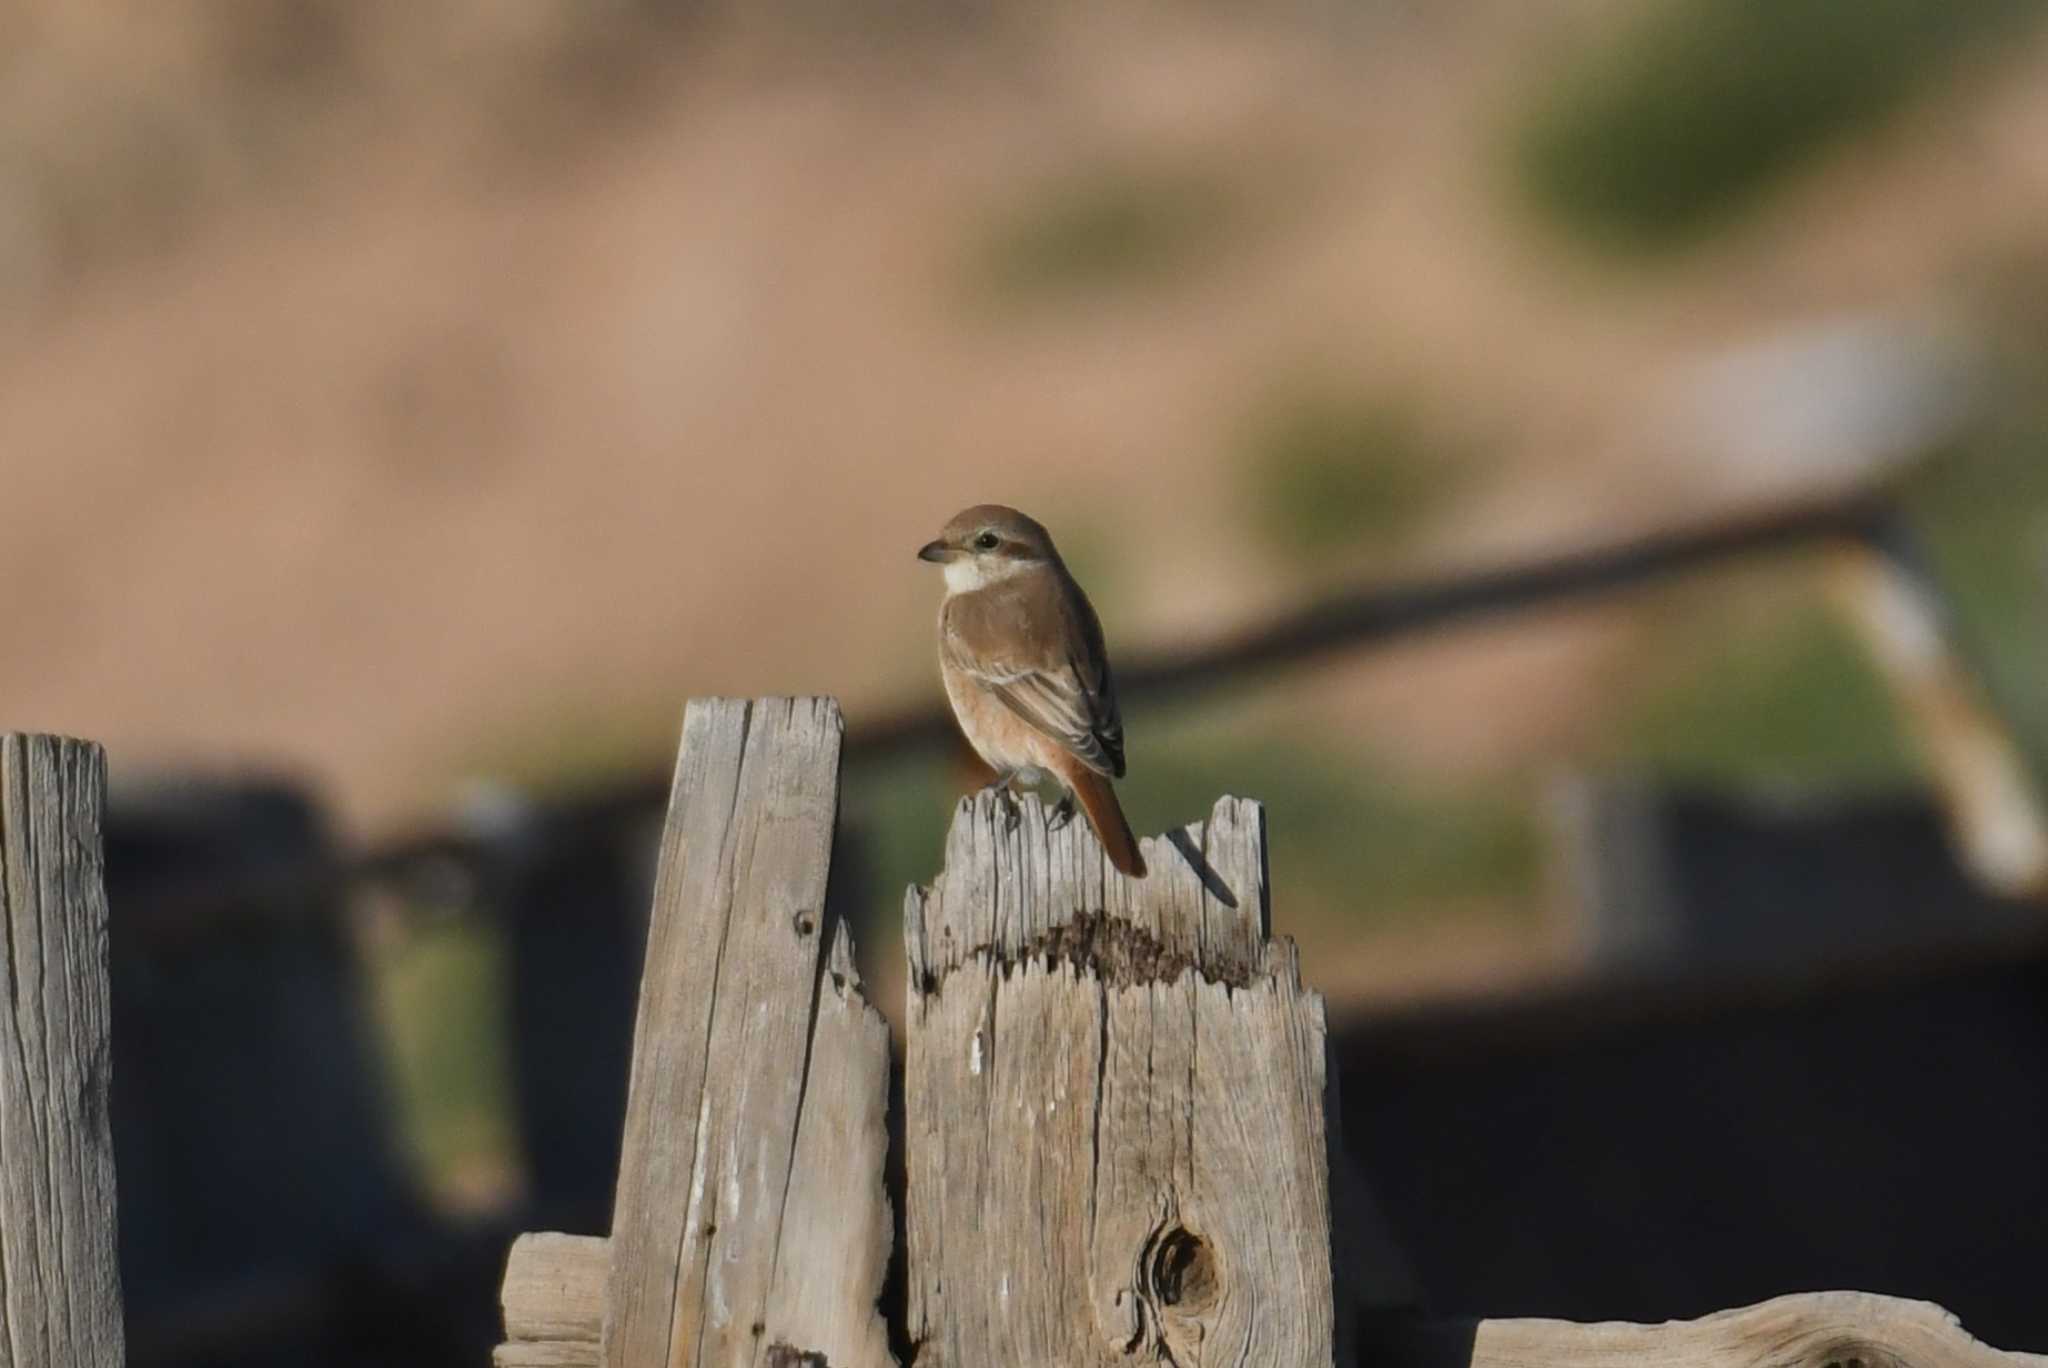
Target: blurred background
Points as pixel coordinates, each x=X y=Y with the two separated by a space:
x=404 y=408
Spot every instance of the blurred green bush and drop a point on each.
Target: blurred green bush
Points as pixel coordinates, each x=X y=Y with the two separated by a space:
x=1762 y=693
x=1328 y=471
x=440 y=992
x=1353 y=840
x=1983 y=514
x=1105 y=226
x=1691 y=113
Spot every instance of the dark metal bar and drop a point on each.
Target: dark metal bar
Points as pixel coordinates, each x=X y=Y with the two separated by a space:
x=1349 y=621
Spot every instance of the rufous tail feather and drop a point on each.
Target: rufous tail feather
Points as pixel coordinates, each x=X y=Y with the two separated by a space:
x=1098 y=800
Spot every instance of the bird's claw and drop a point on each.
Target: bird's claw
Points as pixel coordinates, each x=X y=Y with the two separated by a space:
x=1062 y=813
x=1000 y=788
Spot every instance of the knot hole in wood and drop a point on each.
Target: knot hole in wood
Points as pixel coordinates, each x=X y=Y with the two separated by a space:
x=783 y=1356
x=1182 y=1271
x=1849 y=1353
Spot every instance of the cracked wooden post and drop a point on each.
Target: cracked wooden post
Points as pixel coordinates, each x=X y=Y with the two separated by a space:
x=750 y=1225
x=1119 y=1122
x=60 y=1287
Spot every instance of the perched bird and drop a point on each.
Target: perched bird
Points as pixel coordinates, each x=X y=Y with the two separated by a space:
x=1021 y=654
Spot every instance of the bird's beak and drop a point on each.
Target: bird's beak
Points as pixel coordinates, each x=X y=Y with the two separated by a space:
x=936 y=551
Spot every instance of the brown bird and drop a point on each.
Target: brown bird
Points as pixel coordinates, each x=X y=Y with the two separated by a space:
x=1021 y=653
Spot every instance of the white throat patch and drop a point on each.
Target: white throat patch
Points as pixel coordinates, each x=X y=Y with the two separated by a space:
x=969 y=573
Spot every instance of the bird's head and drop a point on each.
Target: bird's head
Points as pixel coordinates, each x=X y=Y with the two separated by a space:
x=987 y=543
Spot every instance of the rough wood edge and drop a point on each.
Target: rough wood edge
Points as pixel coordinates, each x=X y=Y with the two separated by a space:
x=1804 y=1330
x=1015 y=888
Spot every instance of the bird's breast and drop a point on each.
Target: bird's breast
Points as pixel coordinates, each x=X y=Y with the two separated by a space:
x=1000 y=737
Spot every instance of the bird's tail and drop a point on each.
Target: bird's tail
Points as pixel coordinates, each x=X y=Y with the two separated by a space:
x=1098 y=800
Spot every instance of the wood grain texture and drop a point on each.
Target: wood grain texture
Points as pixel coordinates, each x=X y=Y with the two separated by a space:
x=554 y=1287
x=547 y=1354
x=750 y=1212
x=60 y=1288
x=1116 y=1097
x=1811 y=1330
x=553 y=1298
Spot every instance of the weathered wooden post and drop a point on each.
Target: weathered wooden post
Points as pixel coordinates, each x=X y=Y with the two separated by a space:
x=1117 y=1099
x=750 y=1225
x=1119 y=1129
x=1118 y=1120
x=60 y=1287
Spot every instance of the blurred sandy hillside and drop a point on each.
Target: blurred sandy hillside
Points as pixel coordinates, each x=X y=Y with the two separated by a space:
x=394 y=390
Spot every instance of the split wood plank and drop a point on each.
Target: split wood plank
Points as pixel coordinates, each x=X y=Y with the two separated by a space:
x=60 y=1286
x=1119 y=1122
x=750 y=1222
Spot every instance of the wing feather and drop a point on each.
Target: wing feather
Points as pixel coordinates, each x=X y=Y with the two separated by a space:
x=1038 y=649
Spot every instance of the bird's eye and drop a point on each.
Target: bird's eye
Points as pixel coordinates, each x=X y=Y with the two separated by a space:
x=987 y=541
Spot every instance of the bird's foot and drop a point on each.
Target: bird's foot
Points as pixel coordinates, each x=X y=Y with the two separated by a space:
x=1062 y=813
x=1013 y=812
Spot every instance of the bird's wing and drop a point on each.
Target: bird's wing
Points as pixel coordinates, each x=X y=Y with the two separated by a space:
x=1038 y=648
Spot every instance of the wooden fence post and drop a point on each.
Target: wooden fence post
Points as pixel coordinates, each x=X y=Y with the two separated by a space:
x=750 y=1225
x=1118 y=1130
x=60 y=1285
